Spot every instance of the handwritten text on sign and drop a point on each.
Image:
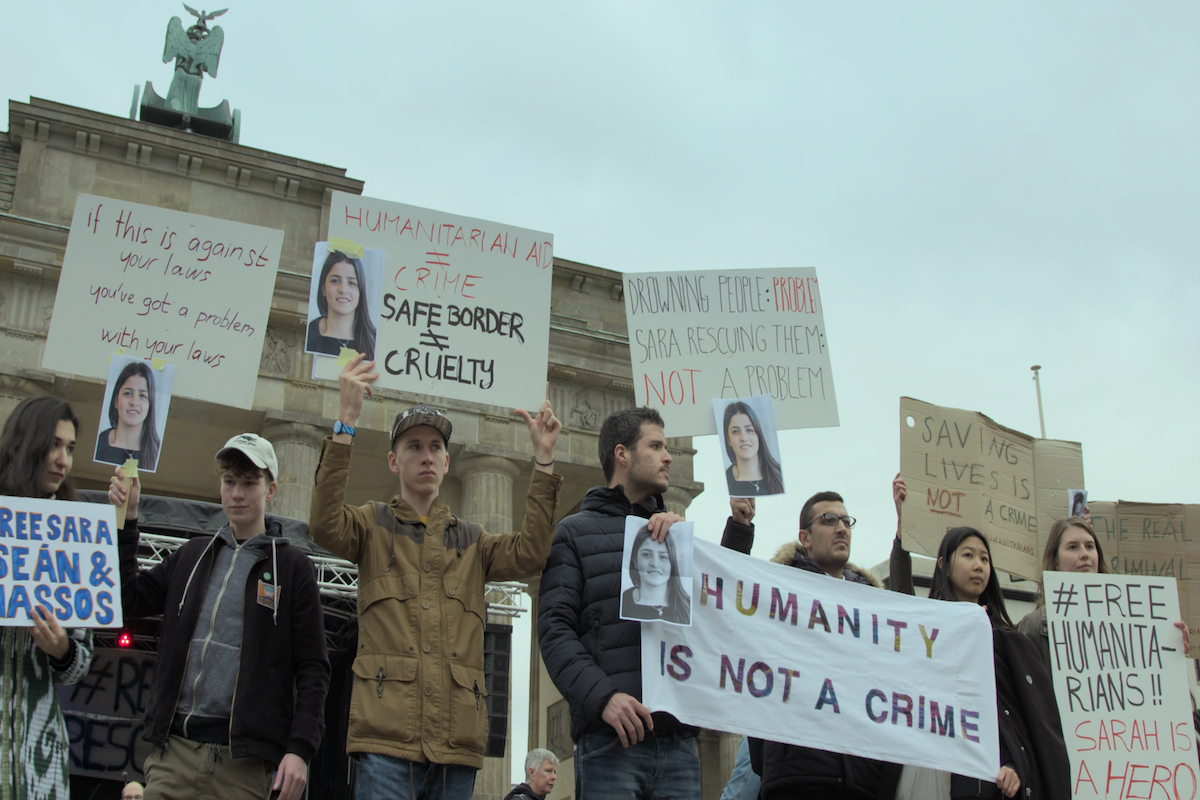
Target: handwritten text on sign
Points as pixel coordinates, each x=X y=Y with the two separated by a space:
x=466 y=303
x=1120 y=677
x=60 y=555
x=192 y=290
x=791 y=656
x=696 y=336
x=964 y=469
x=104 y=714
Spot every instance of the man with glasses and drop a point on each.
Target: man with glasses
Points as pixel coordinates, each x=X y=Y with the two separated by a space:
x=788 y=770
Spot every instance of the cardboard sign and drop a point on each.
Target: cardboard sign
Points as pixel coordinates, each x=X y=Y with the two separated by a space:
x=466 y=303
x=791 y=656
x=696 y=336
x=1120 y=678
x=162 y=284
x=61 y=555
x=1155 y=540
x=964 y=469
x=104 y=714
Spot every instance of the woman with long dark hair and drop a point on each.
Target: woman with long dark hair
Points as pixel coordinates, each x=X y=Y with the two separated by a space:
x=753 y=470
x=1033 y=756
x=36 y=453
x=657 y=592
x=131 y=415
x=345 y=319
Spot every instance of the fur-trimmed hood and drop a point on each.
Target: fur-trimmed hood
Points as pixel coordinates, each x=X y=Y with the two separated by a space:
x=790 y=551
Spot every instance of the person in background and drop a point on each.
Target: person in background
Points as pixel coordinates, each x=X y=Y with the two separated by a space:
x=541 y=771
x=132 y=791
x=37 y=449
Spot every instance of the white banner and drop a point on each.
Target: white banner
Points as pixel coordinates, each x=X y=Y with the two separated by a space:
x=1120 y=677
x=697 y=336
x=61 y=555
x=191 y=290
x=791 y=656
x=466 y=303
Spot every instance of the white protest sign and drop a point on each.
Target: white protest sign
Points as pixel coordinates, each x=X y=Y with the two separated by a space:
x=695 y=336
x=1120 y=677
x=163 y=284
x=61 y=555
x=790 y=656
x=466 y=303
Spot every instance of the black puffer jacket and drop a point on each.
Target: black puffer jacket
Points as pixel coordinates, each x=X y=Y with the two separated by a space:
x=590 y=653
x=789 y=770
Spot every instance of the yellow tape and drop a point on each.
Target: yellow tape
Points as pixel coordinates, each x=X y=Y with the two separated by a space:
x=158 y=363
x=130 y=468
x=345 y=355
x=346 y=246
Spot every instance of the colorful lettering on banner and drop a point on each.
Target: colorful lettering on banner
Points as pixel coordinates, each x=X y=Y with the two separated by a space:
x=1120 y=677
x=60 y=555
x=466 y=303
x=761 y=659
x=166 y=284
x=696 y=336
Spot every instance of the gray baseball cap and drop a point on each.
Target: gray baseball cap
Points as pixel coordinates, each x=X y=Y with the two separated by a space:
x=421 y=414
x=260 y=452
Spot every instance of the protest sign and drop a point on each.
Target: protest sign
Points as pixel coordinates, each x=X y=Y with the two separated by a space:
x=696 y=336
x=61 y=555
x=104 y=713
x=749 y=442
x=1120 y=678
x=1154 y=539
x=962 y=468
x=466 y=303
x=791 y=656
x=133 y=416
x=163 y=284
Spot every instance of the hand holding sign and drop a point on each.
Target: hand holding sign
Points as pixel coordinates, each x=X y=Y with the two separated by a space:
x=354 y=381
x=124 y=491
x=625 y=714
x=48 y=634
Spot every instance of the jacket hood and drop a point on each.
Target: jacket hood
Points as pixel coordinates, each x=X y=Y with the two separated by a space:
x=611 y=500
x=795 y=554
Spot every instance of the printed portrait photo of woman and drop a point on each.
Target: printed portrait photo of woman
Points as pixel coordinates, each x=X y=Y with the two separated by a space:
x=658 y=575
x=347 y=285
x=137 y=399
x=747 y=428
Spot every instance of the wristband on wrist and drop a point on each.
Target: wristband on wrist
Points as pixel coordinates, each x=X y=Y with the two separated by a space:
x=338 y=427
x=540 y=464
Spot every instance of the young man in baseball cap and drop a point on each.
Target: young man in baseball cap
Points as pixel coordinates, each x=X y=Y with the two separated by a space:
x=238 y=693
x=418 y=713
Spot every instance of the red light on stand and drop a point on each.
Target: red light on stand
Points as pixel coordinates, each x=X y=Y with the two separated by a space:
x=125 y=639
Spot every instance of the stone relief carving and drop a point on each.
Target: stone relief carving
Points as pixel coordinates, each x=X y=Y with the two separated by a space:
x=277 y=353
x=583 y=414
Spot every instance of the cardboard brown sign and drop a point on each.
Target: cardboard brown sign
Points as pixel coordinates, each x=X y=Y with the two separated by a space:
x=1155 y=539
x=962 y=468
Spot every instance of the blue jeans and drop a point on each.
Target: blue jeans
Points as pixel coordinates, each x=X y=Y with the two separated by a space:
x=390 y=778
x=660 y=767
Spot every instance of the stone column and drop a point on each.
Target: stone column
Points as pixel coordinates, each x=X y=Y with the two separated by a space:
x=487 y=487
x=677 y=501
x=297 y=446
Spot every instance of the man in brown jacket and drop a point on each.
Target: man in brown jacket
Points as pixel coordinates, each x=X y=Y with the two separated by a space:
x=418 y=720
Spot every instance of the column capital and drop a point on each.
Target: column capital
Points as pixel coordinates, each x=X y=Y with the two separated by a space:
x=470 y=464
x=275 y=429
x=677 y=500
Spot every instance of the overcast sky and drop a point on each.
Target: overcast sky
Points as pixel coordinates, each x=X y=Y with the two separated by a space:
x=980 y=186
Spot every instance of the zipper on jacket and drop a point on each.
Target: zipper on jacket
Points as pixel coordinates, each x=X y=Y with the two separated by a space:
x=477 y=706
x=596 y=641
x=379 y=688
